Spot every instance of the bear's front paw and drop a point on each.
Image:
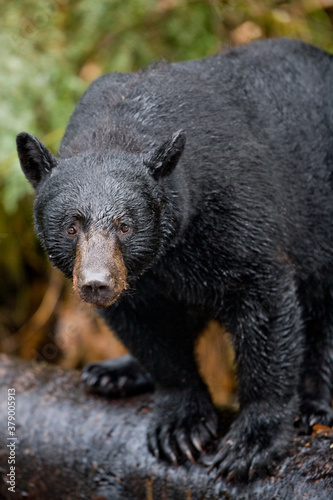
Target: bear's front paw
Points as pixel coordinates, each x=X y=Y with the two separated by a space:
x=118 y=377
x=251 y=448
x=182 y=426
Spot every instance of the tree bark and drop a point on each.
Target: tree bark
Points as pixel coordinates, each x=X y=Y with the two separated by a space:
x=71 y=445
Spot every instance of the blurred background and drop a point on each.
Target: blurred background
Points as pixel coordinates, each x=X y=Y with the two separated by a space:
x=50 y=52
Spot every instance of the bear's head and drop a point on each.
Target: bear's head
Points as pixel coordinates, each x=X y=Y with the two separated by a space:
x=104 y=218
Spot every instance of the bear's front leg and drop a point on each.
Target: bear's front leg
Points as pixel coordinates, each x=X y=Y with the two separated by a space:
x=161 y=336
x=267 y=333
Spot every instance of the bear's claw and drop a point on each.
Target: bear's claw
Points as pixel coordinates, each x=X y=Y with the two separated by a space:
x=186 y=438
x=314 y=412
x=117 y=377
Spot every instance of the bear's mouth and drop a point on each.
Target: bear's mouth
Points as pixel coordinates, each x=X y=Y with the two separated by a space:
x=108 y=301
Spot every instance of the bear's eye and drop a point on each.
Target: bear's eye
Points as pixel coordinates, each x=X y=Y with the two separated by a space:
x=72 y=231
x=124 y=228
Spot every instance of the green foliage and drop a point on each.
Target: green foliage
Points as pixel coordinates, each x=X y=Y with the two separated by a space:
x=46 y=44
x=51 y=50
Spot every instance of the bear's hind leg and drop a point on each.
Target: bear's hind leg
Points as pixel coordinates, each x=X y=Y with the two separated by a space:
x=316 y=383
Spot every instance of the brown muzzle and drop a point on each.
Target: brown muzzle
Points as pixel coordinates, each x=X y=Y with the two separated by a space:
x=99 y=275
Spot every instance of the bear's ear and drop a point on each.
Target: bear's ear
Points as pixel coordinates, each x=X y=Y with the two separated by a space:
x=164 y=159
x=36 y=160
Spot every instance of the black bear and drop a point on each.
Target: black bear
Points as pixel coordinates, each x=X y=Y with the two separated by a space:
x=194 y=191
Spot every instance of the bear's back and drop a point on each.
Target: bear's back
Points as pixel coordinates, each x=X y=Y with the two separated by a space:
x=259 y=123
x=272 y=90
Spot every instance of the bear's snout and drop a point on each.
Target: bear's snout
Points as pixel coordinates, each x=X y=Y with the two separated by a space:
x=99 y=275
x=96 y=288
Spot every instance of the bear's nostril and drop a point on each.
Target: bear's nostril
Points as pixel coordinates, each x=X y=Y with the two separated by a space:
x=95 y=288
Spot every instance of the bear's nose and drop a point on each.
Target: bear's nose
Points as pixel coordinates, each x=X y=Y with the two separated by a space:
x=96 y=287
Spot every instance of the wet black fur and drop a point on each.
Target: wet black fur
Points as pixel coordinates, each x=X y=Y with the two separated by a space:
x=240 y=230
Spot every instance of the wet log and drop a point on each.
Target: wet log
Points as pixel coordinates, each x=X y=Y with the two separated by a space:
x=71 y=445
